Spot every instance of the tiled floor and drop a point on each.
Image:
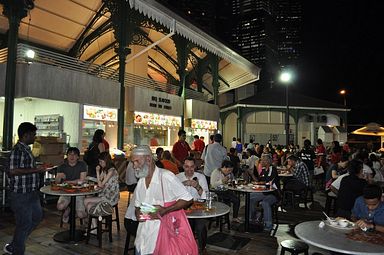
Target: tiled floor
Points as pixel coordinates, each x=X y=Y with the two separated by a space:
x=41 y=242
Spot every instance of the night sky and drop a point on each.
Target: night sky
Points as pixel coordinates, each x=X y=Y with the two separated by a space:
x=343 y=49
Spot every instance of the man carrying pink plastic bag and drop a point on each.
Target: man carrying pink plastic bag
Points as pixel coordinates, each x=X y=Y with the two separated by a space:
x=159 y=201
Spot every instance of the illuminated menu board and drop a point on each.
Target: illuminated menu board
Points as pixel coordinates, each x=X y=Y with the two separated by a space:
x=204 y=124
x=99 y=113
x=144 y=118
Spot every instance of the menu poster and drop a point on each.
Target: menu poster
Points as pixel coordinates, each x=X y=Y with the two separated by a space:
x=203 y=124
x=144 y=118
x=99 y=113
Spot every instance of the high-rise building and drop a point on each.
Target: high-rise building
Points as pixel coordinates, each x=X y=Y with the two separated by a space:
x=253 y=33
x=266 y=32
x=289 y=23
x=199 y=12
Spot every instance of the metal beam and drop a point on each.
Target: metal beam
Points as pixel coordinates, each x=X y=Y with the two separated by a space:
x=75 y=50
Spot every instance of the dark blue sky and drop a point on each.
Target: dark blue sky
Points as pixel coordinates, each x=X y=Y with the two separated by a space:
x=343 y=48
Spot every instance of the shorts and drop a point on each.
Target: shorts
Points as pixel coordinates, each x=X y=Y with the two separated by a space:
x=79 y=202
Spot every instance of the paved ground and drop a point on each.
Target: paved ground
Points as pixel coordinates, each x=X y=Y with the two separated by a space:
x=41 y=242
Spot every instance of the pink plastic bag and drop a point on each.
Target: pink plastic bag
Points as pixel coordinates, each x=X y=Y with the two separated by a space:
x=175 y=235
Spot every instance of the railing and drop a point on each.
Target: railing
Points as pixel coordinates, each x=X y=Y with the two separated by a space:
x=100 y=71
x=3 y=55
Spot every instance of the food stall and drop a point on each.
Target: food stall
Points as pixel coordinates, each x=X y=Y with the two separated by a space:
x=153 y=118
x=201 y=119
x=96 y=117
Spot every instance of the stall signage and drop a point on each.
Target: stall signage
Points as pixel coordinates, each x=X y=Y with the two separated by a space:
x=145 y=118
x=99 y=113
x=204 y=124
x=159 y=102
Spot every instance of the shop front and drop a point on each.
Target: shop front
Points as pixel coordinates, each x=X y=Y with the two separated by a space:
x=201 y=119
x=97 y=117
x=153 y=118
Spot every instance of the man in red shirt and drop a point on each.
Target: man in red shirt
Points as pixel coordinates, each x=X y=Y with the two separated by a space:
x=180 y=150
x=198 y=145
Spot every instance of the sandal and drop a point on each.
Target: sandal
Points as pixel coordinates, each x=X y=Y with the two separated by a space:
x=237 y=220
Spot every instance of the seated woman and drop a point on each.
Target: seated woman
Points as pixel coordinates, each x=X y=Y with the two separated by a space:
x=368 y=210
x=222 y=176
x=107 y=179
x=270 y=176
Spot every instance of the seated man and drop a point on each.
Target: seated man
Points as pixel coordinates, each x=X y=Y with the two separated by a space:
x=351 y=187
x=72 y=171
x=268 y=175
x=300 y=180
x=197 y=186
x=368 y=211
x=220 y=177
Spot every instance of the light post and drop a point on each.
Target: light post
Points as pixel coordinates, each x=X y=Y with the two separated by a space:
x=286 y=78
x=343 y=92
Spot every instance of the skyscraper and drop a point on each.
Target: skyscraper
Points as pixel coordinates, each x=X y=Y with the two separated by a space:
x=289 y=23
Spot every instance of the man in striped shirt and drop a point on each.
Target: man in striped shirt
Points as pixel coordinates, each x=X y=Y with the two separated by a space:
x=24 y=184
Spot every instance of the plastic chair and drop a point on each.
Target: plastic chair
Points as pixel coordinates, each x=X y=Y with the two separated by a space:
x=295 y=247
x=99 y=228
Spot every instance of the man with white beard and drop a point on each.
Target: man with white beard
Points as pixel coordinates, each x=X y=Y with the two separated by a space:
x=155 y=186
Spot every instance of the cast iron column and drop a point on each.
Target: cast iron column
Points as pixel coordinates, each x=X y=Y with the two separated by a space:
x=119 y=14
x=182 y=48
x=15 y=11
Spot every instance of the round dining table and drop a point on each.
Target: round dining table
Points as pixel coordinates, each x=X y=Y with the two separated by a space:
x=73 y=234
x=218 y=209
x=247 y=190
x=332 y=239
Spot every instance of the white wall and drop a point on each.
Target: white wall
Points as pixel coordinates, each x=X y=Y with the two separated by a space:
x=27 y=108
x=230 y=129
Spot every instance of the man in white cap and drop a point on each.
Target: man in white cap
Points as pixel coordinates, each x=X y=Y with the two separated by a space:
x=155 y=186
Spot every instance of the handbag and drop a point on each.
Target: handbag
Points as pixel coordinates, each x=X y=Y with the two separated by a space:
x=102 y=208
x=318 y=170
x=175 y=235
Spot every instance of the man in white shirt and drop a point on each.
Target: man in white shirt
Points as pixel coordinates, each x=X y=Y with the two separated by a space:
x=213 y=155
x=197 y=186
x=155 y=187
x=234 y=142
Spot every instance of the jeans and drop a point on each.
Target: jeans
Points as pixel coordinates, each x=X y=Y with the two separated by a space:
x=229 y=197
x=199 y=226
x=266 y=202
x=28 y=214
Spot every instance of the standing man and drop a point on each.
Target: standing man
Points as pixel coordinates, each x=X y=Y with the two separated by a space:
x=155 y=187
x=198 y=145
x=72 y=171
x=24 y=185
x=180 y=150
x=214 y=154
x=197 y=186
x=234 y=142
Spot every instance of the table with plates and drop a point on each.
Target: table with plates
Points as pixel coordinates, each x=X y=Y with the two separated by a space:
x=218 y=209
x=71 y=235
x=334 y=239
x=247 y=190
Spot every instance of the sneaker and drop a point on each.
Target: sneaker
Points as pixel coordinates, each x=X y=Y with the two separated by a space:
x=65 y=219
x=8 y=248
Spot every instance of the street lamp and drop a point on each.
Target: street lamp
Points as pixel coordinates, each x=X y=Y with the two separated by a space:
x=286 y=77
x=343 y=92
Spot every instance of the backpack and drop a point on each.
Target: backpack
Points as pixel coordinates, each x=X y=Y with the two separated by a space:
x=91 y=155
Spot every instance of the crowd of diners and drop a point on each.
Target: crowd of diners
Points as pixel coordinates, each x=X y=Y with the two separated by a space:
x=196 y=171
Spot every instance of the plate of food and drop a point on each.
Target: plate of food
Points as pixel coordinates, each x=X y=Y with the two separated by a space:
x=259 y=187
x=340 y=223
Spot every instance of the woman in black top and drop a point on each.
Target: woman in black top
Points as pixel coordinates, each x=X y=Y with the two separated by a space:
x=94 y=149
